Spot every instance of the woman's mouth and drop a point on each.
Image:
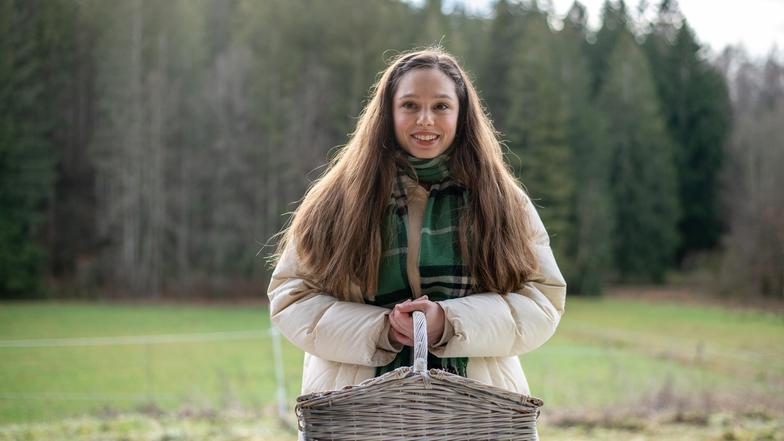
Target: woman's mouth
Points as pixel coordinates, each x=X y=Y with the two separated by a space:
x=425 y=139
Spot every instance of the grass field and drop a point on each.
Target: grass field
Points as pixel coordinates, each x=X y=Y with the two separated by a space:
x=615 y=367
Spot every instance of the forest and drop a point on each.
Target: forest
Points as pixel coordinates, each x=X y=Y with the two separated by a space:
x=152 y=149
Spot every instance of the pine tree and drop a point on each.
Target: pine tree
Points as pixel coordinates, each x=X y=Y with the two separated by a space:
x=31 y=70
x=466 y=38
x=536 y=125
x=505 y=32
x=643 y=175
x=434 y=24
x=590 y=250
x=615 y=21
x=71 y=217
x=695 y=104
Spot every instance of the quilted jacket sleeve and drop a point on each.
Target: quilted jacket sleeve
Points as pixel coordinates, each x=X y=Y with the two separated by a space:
x=492 y=325
x=321 y=325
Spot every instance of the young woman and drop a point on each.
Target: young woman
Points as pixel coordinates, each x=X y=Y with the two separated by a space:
x=417 y=212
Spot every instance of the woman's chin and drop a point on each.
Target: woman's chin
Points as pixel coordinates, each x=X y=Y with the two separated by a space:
x=425 y=153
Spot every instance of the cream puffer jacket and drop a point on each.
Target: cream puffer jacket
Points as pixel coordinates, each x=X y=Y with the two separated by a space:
x=345 y=341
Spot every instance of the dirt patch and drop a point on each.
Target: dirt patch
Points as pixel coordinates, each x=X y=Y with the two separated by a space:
x=695 y=294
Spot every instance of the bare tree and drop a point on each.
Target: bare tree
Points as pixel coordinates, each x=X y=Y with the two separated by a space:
x=754 y=246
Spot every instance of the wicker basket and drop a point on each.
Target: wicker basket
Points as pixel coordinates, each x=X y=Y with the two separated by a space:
x=418 y=404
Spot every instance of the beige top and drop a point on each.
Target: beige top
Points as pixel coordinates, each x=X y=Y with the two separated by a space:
x=344 y=341
x=417 y=199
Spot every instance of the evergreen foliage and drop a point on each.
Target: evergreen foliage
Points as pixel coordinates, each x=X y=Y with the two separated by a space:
x=642 y=175
x=590 y=248
x=614 y=23
x=503 y=36
x=32 y=69
x=536 y=126
x=205 y=119
x=695 y=104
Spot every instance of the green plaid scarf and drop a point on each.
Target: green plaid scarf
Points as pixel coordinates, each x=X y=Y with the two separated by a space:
x=442 y=272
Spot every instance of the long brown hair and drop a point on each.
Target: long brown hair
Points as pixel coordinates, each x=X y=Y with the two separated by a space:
x=337 y=227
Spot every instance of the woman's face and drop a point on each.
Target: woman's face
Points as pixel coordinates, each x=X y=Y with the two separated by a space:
x=425 y=109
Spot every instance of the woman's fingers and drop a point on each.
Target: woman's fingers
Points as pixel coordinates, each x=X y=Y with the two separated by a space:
x=402 y=323
x=397 y=326
x=407 y=341
x=433 y=312
x=412 y=306
x=402 y=338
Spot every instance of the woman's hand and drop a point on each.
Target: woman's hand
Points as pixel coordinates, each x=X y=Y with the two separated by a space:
x=401 y=327
x=402 y=322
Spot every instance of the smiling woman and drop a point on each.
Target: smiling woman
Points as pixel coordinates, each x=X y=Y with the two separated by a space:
x=426 y=110
x=417 y=212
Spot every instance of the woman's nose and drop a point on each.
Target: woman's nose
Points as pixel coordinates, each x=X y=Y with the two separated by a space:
x=425 y=118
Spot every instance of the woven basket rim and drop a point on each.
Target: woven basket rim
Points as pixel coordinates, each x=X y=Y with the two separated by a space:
x=408 y=371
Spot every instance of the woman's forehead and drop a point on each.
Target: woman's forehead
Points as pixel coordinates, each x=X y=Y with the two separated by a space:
x=426 y=83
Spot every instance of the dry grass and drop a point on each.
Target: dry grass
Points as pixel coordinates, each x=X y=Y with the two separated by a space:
x=152 y=425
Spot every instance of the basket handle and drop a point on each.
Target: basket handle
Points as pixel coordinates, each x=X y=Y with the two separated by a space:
x=420 y=342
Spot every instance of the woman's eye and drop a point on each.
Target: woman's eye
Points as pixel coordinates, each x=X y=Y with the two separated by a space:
x=408 y=105
x=442 y=106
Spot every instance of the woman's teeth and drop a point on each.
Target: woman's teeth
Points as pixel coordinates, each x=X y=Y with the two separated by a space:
x=425 y=137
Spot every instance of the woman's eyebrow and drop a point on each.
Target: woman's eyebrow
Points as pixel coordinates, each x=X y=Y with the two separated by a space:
x=440 y=96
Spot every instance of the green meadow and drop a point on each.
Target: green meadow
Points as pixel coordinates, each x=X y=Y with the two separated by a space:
x=614 y=365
